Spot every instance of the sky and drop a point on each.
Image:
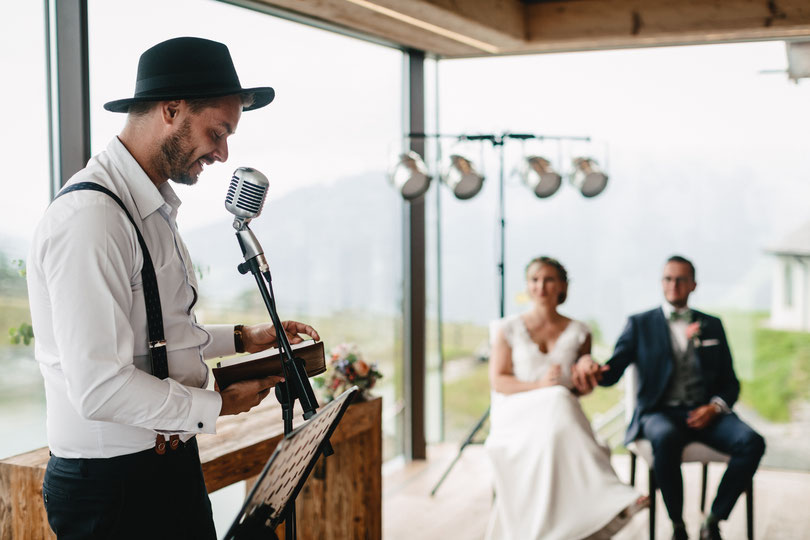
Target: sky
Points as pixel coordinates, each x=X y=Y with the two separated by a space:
x=331 y=116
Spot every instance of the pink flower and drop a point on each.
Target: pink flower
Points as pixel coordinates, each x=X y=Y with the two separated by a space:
x=361 y=368
x=693 y=330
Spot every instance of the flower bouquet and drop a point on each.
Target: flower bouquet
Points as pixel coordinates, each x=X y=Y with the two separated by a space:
x=346 y=368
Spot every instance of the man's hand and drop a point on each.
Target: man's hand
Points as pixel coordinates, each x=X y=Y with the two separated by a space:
x=702 y=416
x=586 y=374
x=259 y=337
x=242 y=396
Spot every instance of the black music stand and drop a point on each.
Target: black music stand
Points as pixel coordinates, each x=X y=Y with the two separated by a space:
x=285 y=473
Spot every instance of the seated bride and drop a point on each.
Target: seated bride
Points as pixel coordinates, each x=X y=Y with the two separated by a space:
x=553 y=480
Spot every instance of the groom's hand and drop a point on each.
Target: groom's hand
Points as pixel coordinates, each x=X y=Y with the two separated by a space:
x=586 y=374
x=702 y=416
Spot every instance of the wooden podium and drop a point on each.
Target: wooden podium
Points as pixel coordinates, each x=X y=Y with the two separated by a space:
x=342 y=499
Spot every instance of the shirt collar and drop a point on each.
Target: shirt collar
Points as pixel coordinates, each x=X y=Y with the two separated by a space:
x=172 y=201
x=668 y=308
x=146 y=196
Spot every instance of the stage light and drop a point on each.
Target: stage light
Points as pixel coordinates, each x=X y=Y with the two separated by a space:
x=540 y=177
x=462 y=178
x=410 y=176
x=587 y=177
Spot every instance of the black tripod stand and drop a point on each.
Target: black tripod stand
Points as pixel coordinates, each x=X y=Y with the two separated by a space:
x=468 y=441
x=296 y=383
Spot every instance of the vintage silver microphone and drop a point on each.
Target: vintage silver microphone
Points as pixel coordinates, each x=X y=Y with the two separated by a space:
x=245 y=200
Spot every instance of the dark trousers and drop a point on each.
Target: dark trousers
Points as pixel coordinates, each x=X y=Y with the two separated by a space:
x=668 y=433
x=142 y=495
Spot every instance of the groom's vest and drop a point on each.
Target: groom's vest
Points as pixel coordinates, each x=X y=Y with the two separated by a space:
x=685 y=385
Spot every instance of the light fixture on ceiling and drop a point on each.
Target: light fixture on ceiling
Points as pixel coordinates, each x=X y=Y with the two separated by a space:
x=587 y=177
x=410 y=176
x=461 y=177
x=539 y=176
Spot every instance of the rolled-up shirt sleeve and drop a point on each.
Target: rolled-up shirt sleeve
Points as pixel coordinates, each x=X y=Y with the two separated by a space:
x=89 y=269
x=222 y=343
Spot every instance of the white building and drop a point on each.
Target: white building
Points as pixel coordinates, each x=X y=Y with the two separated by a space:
x=790 y=301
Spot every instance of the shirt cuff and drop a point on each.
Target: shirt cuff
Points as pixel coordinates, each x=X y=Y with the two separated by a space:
x=221 y=341
x=724 y=408
x=205 y=408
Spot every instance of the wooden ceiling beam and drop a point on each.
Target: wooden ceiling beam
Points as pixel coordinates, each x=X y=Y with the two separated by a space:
x=472 y=28
x=498 y=22
x=600 y=24
x=443 y=27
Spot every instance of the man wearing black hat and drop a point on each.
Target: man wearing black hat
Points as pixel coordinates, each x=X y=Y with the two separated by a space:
x=112 y=291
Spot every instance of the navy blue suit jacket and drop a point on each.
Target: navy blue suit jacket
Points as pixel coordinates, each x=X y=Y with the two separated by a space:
x=646 y=342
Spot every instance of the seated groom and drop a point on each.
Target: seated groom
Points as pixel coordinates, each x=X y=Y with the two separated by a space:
x=686 y=389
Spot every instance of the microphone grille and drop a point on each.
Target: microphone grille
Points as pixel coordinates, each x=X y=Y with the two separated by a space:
x=246 y=193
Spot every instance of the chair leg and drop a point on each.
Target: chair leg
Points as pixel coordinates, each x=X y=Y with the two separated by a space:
x=749 y=509
x=703 y=488
x=653 y=489
x=632 y=469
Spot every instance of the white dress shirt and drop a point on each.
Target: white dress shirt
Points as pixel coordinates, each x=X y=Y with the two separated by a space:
x=677 y=329
x=87 y=308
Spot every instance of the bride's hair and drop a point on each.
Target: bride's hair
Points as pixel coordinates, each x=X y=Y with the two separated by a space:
x=557 y=265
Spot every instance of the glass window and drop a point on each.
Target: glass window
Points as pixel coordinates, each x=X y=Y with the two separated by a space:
x=25 y=181
x=331 y=227
x=705 y=157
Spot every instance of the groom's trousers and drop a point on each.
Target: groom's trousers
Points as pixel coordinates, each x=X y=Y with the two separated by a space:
x=668 y=433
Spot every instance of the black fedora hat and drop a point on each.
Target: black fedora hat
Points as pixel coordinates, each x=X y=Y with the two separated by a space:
x=188 y=68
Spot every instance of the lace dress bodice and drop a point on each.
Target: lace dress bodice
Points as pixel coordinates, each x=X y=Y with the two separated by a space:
x=529 y=363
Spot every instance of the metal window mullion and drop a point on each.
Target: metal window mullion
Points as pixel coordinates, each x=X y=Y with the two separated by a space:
x=68 y=88
x=414 y=272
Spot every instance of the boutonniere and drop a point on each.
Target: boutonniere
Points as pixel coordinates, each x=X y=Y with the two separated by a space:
x=693 y=333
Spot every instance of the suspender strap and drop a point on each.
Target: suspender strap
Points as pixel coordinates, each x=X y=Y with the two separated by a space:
x=154 y=314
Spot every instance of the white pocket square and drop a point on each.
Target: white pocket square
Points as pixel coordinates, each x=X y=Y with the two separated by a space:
x=709 y=342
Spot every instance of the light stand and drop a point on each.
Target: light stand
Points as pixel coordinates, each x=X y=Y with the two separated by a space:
x=296 y=384
x=497 y=141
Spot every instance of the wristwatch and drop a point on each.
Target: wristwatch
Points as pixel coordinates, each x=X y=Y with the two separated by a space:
x=238 y=343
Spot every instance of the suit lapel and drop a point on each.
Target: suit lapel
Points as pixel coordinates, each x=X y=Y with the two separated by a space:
x=697 y=317
x=662 y=327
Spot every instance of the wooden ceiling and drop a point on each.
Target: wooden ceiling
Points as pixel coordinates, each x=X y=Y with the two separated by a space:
x=469 y=28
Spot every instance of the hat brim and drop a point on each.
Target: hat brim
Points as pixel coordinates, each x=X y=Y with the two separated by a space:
x=262 y=96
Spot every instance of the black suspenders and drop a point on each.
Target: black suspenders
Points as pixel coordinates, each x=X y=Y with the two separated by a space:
x=154 y=315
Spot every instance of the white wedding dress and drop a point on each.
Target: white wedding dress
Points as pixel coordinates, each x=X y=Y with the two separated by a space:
x=553 y=481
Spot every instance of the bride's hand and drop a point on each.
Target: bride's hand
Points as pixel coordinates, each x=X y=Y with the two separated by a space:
x=586 y=374
x=552 y=376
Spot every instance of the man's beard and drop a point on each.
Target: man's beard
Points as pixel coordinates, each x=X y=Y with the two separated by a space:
x=177 y=157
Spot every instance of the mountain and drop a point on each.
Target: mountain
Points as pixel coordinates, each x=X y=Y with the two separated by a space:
x=331 y=247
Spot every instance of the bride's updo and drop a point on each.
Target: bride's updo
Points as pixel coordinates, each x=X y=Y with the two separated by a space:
x=556 y=265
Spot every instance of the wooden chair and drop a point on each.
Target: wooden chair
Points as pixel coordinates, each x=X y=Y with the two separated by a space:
x=692 y=453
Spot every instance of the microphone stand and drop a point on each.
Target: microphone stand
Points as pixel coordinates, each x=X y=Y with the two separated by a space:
x=296 y=384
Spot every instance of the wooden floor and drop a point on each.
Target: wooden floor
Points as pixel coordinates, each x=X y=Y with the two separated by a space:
x=461 y=507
